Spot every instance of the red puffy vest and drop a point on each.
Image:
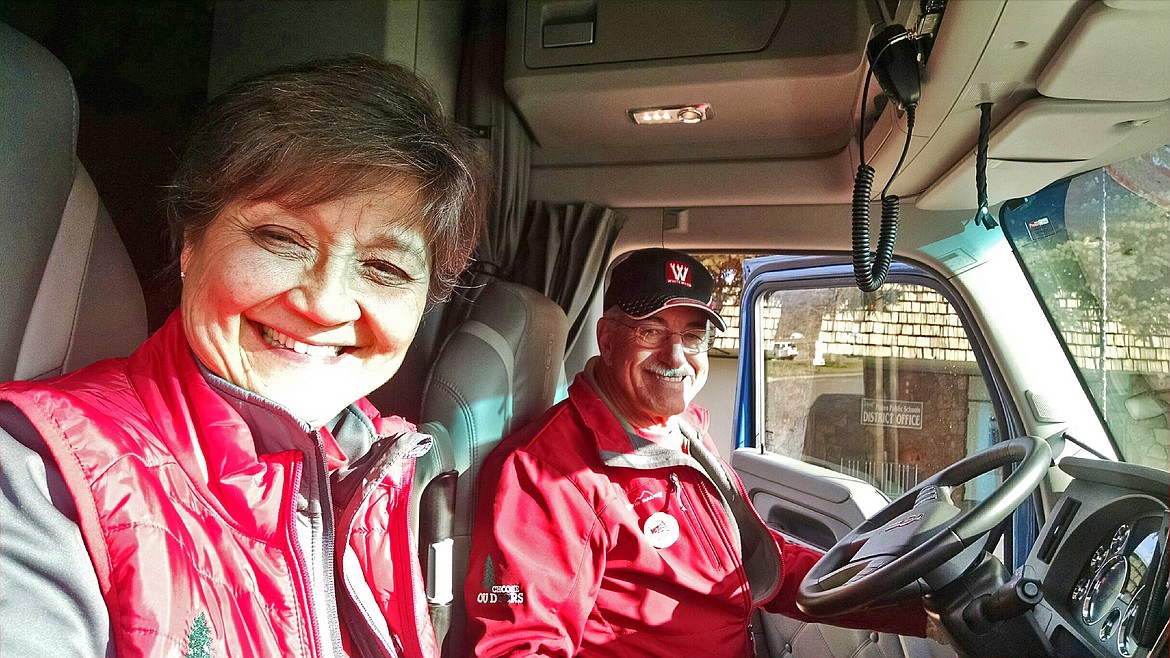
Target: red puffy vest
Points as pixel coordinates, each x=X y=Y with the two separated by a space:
x=191 y=531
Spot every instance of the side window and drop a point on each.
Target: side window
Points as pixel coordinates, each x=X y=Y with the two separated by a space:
x=881 y=386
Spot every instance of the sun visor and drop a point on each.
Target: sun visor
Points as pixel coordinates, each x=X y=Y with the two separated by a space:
x=1116 y=52
x=1006 y=179
x=1041 y=141
x=1045 y=129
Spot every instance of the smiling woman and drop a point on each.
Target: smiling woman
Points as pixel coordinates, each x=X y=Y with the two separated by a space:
x=312 y=308
x=233 y=456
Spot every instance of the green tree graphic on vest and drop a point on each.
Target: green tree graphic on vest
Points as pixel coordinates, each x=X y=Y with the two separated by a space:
x=199 y=639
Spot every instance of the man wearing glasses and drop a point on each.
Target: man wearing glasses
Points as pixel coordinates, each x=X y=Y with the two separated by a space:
x=610 y=526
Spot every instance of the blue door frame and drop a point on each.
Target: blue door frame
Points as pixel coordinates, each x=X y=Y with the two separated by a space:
x=792 y=271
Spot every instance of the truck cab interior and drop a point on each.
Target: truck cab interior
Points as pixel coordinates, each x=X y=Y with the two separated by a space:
x=939 y=230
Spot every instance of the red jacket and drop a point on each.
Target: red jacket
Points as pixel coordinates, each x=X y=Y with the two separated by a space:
x=191 y=531
x=564 y=559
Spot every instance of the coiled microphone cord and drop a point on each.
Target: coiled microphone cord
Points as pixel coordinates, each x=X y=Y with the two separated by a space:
x=870 y=268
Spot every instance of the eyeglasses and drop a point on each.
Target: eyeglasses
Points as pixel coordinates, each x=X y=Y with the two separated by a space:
x=652 y=337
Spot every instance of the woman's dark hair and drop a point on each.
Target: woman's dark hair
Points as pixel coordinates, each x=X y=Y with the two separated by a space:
x=311 y=133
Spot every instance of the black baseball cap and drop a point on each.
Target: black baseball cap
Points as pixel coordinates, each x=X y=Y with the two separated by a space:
x=643 y=282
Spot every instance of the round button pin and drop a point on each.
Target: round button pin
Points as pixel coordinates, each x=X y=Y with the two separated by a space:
x=661 y=529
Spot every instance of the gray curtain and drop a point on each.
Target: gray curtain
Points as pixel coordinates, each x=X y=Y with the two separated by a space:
x=556 y=249
x=564 y=253
x=507 y=140
x=482 y=106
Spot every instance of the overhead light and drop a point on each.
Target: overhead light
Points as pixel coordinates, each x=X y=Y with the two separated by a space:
x=677 y=114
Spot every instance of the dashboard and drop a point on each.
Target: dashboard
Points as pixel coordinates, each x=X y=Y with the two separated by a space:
x=1101 y=562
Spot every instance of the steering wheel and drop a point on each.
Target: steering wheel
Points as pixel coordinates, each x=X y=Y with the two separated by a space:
x=920 y=531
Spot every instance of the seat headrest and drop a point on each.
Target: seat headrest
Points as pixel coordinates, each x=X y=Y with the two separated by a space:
x=502 y=366
x=71 y=295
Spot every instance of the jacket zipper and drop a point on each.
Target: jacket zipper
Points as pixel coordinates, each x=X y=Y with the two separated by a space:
x=689 y=512
x=396 y=643
x=299 y=557
x=415 y=585
x=328 y=544
x=392 y=645
x=711 y=504
x=676 y=488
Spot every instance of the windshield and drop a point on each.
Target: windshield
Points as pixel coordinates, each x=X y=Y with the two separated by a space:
x=1096 y=247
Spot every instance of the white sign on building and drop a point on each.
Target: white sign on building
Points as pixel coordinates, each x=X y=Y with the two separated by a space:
x=891 y=413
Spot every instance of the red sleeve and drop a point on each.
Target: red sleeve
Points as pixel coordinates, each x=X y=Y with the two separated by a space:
x=906 y=618
x=535 y=565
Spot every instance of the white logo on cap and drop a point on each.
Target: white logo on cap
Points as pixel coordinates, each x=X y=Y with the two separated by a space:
x=678 y=273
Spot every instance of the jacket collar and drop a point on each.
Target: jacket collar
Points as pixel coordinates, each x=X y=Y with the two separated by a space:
x=616 y=445
x=206 y=423
x=275 y=428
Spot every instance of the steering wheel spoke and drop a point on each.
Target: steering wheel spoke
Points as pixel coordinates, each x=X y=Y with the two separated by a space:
x=852 y=572
x=860 y=539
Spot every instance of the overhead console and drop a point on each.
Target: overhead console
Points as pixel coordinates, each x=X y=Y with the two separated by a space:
x=558 y=33
x=1068 y=95
x=778 y=76
x=1074 y=85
